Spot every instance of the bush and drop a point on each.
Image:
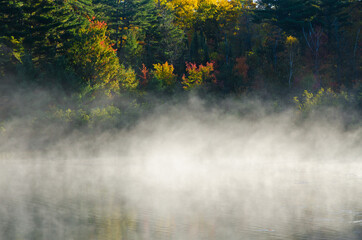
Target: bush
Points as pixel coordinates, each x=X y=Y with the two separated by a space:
x=102 y=117
x=127 y=79
x=197 y=76
x=163 y=74
x=322 y=98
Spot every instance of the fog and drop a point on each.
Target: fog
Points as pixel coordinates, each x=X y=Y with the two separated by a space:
x=238 y=170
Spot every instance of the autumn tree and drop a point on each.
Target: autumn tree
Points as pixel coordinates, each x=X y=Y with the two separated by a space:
x=291 y=43
x=198 y=75
x=164 y=75
x=132 y=25
x=93 y=58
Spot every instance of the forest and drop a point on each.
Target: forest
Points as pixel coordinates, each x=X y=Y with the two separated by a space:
x=89 y=61
x=180 y=119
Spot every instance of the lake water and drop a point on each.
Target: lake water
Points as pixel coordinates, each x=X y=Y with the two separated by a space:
x=179 y=199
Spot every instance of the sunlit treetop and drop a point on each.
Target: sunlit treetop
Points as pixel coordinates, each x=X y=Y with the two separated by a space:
x=291 y=40
x=187 y=11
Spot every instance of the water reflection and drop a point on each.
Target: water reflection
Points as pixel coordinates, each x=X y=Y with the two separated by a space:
x=107 y=200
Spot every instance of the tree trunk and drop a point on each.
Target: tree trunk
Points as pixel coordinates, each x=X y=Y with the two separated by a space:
x=355 y=71
x=291 y=59
x=313 y=43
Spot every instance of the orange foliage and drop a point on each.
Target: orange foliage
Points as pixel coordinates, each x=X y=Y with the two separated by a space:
x=241 y=67
x=94 y=57
x=197 y=76
x=144 y=75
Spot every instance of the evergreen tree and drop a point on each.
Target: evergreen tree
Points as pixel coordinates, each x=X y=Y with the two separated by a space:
x=132 y=50
x=43 y=26
x=124 y=15
x=333 y=16
x=11 y=17
x=333 y=12
x=39 y=26
x=194 y=48
x=10 y=37
x=171 y=45
x=289 y=15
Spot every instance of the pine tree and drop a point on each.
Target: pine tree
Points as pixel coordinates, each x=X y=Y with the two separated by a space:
x=73 y=15
x=333 y=16
x=10 y=19
x=10 y=39
x=194 y=48
x=43 y=26
x=332 y=13
x=289 y=15
x=172 y=42
x=123 y=15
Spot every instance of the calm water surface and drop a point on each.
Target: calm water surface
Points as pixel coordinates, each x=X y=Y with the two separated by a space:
x=110 y=199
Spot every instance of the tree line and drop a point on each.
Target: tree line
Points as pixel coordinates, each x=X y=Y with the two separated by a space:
x=165 y=46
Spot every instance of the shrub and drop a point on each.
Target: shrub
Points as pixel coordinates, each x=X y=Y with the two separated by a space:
x=127 y=79
x=164 y=75
x=323 y=98
x=104 y=117
x=107 y=116
x=197 y=76
x=145 y=76
x=241 y=67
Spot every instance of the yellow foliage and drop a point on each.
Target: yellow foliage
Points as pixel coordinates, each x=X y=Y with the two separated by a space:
x=164 y=73
x=93 y=57
x=187 y=11
x=310 y=101
x=127 y=79
x=291 y=40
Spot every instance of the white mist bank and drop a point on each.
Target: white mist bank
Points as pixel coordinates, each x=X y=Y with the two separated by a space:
x=195 y=172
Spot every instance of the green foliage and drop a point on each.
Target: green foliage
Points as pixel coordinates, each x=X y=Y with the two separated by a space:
x=26 y=71
x=138 y=17
x=99 y=117
x=11 y=18
x=323 y=98
x=127 y=79
x=333 y=12
x=197 y=76
x=132 y=50
x=60 y=74
x=93 y=58
x=11 y=48
x=43 y=26
x=85 y=95
x=163 y=73
x=171 y=43
x=54 y=44
x=2 y=129
x=104 y=116
x=287 y=14
x=64 y=115
x=194 y=48
x=11 y=52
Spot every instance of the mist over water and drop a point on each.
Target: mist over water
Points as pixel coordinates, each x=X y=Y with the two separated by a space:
x=187 y=172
